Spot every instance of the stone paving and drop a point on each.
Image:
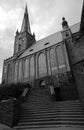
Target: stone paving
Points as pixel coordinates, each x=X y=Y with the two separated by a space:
x=62 y=128
x=57 y=128
x=4 y=127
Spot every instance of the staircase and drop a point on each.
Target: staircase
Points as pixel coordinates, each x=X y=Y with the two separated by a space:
x=39 y=111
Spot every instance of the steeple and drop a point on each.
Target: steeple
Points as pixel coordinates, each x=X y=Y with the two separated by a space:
x=82 y=21
x=26 y=23
x=23 y=39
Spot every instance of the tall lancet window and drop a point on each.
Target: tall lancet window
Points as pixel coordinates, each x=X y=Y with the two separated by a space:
x=20 y=74
x=61 y=61
x=26 y=69
x=53 y=61
x=9 y=73
x=15 y=72
x=42 y=65
x=66 y=58
x=31 y=68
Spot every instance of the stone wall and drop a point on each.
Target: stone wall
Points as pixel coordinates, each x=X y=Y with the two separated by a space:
x=9 y=112
x=78 y=70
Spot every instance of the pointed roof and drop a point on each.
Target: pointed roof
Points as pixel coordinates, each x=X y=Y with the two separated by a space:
x=82 y=21
x=26 y=23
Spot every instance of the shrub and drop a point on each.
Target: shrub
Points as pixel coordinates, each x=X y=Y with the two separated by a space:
x=8 y=91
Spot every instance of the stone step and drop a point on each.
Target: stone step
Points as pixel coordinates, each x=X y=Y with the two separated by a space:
x=46 y=122
x=46 y=105
x=55 y=102
x=70 y=115
x=36 y=110
x=51 y=122
x=46 y=117
x=57 y=118
x=39 y=111
x=61 y=102
x=50 y=127
x=61 y=127
x=50 y=107
x=55 y=113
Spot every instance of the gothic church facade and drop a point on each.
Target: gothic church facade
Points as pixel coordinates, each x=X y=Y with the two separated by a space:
x=35 y=60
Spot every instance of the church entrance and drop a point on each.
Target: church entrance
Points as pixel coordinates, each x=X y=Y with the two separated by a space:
x=42 y=83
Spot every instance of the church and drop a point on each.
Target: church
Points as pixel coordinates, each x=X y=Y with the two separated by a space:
x=36 y=60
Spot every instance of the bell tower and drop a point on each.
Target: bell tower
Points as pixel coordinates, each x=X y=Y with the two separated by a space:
x=67 y=40
x=66 y=33
x=24 y=39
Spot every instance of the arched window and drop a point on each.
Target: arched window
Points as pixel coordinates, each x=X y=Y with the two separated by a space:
x=26 y=69
x=31 y=68
x=5 y=69
x=15 y=72
x=53 y=61
x=66 y=58
x=42 y=65
x=20 y=74
x=61 y=61
x=9 y=73
x=19 y=47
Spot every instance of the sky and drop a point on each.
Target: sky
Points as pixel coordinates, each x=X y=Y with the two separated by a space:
x=45 y=19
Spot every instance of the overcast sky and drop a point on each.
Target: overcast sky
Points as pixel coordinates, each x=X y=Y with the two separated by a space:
x=45 y=19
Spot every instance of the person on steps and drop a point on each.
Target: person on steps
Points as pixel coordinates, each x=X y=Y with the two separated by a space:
x=57 y=91
x=51 y=87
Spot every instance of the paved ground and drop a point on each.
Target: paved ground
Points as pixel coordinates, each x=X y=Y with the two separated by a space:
x=3 y=127
x=63 y=128
x=59 y=128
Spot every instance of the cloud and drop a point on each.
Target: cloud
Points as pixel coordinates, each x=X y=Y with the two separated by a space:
x=10 y=20
x=42 y=13
x=0 y=74
x=12 y=4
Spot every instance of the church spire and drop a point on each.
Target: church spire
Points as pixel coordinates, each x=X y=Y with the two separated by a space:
x=26 y=23
x=82 y=21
